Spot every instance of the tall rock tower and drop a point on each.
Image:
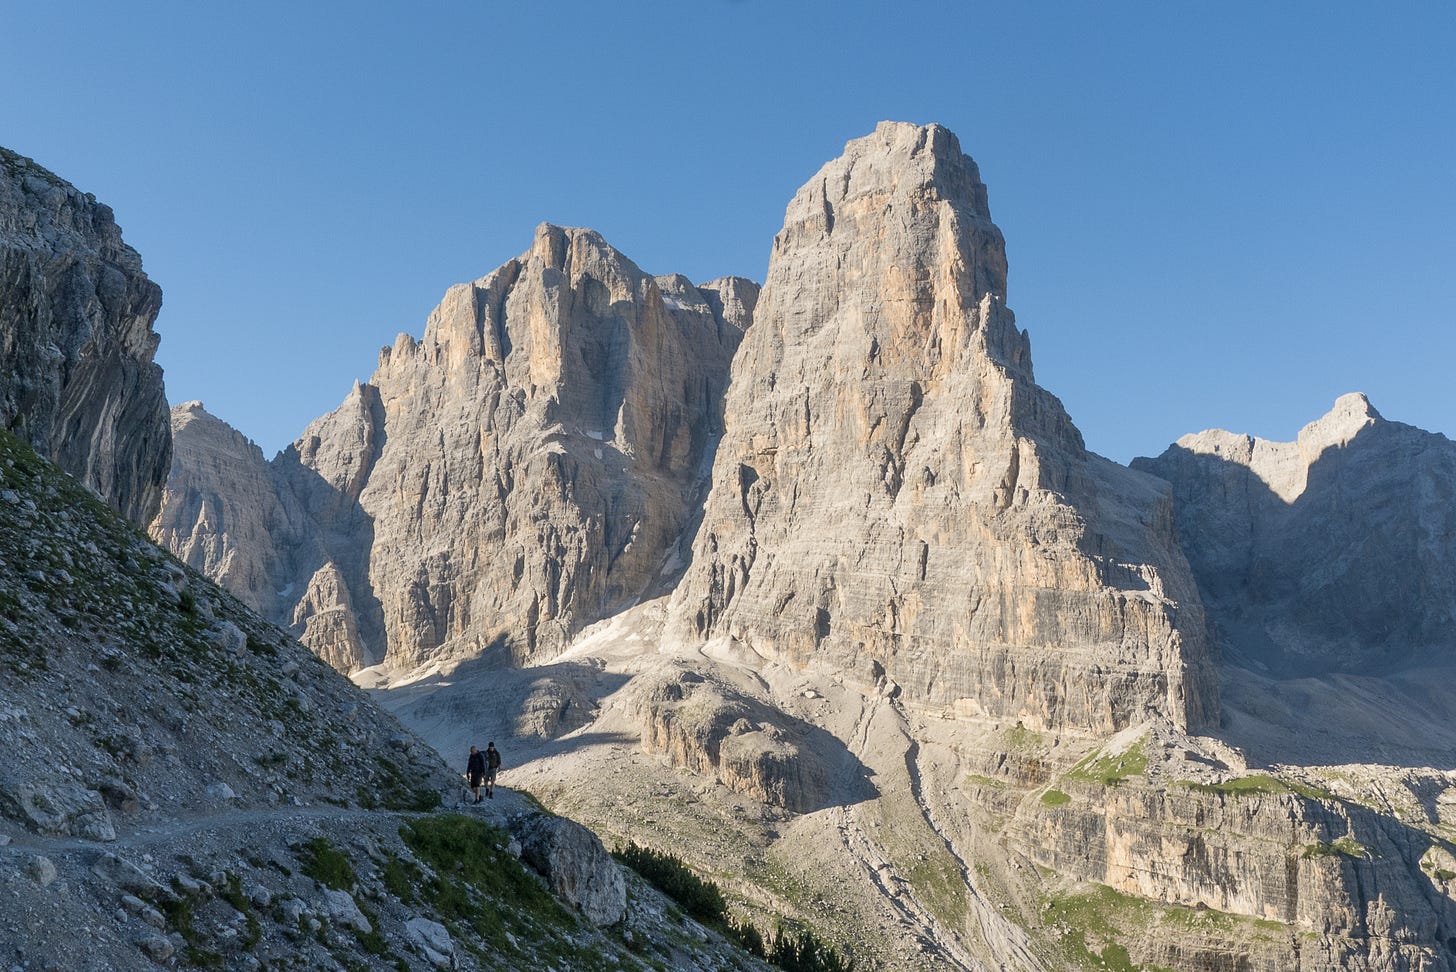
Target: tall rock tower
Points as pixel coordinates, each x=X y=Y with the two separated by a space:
x=896 y=498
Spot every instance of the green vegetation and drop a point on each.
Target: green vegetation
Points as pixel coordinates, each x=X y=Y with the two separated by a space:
x=703 y=901
x=1444 y=875
x=1019 y=738
x=180 y=910
x=1110 y=770
x=478 y=884
x=232 y=893
x=1095 y=921
x=326 y=865
x=1344 y=847
x=1055 y=798
x=1251 y=785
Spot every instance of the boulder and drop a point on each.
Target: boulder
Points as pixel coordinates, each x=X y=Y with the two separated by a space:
x=576 y=866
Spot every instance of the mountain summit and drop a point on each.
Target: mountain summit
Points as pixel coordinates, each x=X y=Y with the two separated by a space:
x=895 y=496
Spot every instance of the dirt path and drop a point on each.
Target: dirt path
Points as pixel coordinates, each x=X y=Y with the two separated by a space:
x=177 y=830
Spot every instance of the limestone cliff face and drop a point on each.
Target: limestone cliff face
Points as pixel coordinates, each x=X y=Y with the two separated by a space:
x=525 y=468
x=539 y=447
x=77 y=379
x=1331 y=553
x=222 y=512
x=896 y=497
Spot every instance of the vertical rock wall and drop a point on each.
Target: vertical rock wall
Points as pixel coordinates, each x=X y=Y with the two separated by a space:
x=525 y=468
x=77 y=379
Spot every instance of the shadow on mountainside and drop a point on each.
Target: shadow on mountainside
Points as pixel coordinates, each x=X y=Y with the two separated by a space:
x=1407 y=719
x=567 y=708
x=329 y=527
x=1335 y=612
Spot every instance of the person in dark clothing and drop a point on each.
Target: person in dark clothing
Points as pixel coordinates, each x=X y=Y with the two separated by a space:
x=492 y=766
x=475 y=769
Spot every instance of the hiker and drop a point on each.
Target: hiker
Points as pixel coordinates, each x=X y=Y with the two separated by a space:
x=475 y=769
x=492 y=766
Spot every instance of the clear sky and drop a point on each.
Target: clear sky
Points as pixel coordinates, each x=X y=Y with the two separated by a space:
x=1217 y=214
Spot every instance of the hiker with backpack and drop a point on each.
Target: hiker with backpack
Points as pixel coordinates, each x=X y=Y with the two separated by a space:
x=492 y=766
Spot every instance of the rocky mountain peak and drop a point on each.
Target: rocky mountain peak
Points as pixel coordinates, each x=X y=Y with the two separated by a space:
x=525 y=467
x=1307 y=551
x=912 y=194
x=1351 y=414
x=1284 y=466
x=887 y=449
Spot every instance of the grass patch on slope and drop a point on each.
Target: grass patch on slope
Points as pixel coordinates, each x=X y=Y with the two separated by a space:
x=1111 y=769
x=479 y=884
x=1258 y=784
x=1094 y=921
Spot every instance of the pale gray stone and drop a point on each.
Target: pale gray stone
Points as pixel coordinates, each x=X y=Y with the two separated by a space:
x=59 y=808
x=341 y=908
x=41 y=870
x=433 y=939
x=576 y=866
x=896 y=498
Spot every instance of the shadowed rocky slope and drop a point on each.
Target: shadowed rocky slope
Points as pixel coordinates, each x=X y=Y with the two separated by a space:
x=76 y=342
x=1331 y=553
x=193 y=788
x=184 y=785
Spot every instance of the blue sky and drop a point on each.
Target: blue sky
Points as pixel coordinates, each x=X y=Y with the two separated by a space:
x=1217 y=215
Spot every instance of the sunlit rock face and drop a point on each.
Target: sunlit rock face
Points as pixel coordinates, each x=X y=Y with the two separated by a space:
x=77 y=380
x=895 y=497
x=1331 y=553
x=525 y=468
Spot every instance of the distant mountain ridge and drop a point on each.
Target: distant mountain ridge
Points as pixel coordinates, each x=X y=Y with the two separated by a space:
x=1332 y=553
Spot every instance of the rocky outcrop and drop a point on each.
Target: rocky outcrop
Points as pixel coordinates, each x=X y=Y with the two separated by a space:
x=77 y=379
x=1359 y=883
x=710 y=728
x=896 y=498
x=576 y=866
x=1331 y=553
x=527 y=467
x=539 y=448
